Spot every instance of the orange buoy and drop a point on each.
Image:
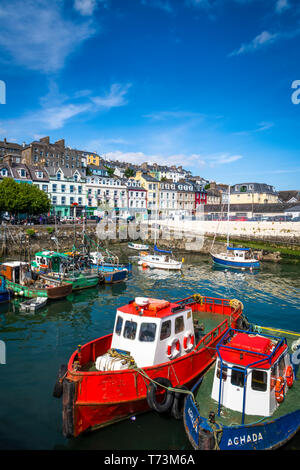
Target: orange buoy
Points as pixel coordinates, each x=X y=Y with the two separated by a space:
x=279 y=389
x=289 y=375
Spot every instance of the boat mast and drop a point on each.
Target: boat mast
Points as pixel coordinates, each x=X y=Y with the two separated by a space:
x=228 y=210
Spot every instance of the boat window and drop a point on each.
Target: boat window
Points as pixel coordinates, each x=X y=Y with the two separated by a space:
x=259 y=380
x=273 y=377
x=119 y=325
x=237 y=377
x=281 y=367
x=224 y=371
x=147 y=332
x=165 y=331
x=130 y=329
x=179 y=325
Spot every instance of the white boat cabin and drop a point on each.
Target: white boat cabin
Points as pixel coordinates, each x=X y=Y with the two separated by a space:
x=151 y=331
x=255 y=373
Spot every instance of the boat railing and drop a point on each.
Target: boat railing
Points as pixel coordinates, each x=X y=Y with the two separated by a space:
x=215 y=333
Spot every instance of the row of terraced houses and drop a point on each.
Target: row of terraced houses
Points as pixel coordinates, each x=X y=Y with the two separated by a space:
x=92 y=183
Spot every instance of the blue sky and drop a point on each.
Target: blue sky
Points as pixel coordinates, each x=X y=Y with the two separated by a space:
x=206 y=84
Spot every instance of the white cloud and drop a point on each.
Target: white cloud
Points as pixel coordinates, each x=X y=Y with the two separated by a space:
x=185 y=159
x=261 y=40
x=57 y=109
x=165 y=115
x=116 y=97
x=37 y=35
x=281 y=5
x=87 y=7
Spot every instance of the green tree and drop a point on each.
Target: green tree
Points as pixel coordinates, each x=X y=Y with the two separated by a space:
x=110 y=171
x=129 y=172
x=22 y=198
x=8 y=196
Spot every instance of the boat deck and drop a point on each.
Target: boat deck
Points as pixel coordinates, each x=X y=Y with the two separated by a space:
x=229 y=417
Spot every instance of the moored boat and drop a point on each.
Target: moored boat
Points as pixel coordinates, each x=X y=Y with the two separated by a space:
x=240 y=258
x=77 y=279
x=138 y=246
x=32 y=305
x=155 y=344
x=250 y=399
x=23 y=282
x=71 y=268
x=160 y=259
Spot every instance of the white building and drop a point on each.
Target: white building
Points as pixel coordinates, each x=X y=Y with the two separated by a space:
x=66 y=187
x=136 y=195
x=106 y=193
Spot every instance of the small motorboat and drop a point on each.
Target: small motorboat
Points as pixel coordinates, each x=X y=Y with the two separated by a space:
x=250 y=399
x=155 y=345
x=160 y=259
x=32 y=305
x=138 y=246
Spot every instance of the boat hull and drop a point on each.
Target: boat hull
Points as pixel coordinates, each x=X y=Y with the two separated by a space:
x=114 y=276
x=160 y=265
x=267 y=435
x=4 y=296
x=76 y=283
x=56 y=292
x=235 y=264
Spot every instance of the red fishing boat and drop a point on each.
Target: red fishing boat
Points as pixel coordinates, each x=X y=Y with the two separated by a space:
x=157 y=348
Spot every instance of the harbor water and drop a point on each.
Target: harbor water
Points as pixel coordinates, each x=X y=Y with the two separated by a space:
x=37 y=344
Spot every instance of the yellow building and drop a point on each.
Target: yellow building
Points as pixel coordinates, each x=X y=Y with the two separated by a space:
x=253 y=193
x=94 y=159
x=152 y=185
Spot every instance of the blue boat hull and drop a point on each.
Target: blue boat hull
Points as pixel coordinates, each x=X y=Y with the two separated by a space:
x=111 y=277
x=110 y=267
x=266 y=435
x=4 y=296
x=235 y=264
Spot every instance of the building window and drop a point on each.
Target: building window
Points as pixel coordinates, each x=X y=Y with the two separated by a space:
x=58 y=175
x=54 y=199
x=63 y=188
x=71 y=188
x=45 y=188
x=63 y=200
x=54 y=187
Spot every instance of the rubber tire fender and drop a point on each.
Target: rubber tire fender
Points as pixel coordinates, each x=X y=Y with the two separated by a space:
x=154 y=404
x=178 y=403
x=58 y=387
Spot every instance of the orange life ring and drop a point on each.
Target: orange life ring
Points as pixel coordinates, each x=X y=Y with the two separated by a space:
x=188 y=341
x=173 y=349
x=279 y=389
x=43 y=266
x=0 y=281
x=289 y=375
